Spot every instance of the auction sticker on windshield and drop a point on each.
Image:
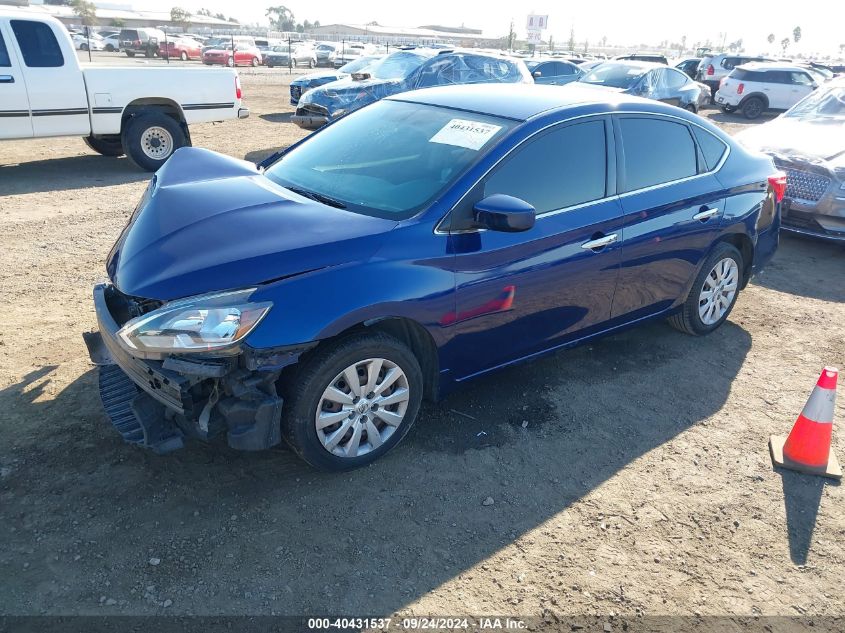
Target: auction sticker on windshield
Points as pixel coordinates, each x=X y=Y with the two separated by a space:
x=464 y=133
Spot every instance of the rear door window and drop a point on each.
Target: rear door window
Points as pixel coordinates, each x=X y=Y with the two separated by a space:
x=800 y=78
x=38 y=44
x=562 y=168
x=712 y=147
x=656 y=151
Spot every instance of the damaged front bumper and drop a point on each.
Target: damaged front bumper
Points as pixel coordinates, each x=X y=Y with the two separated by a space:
x=157 y=403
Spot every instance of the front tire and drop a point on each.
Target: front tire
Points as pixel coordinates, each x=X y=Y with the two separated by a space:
x=183 y=56
x=713 y=293
x=130 y=54
x=255 y=62
x=352 y=401
x=230 y=62
x=105 y=145
x=149 y=139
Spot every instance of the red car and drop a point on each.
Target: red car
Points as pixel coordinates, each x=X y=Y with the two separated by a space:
x=183 y=49
x=244 y=56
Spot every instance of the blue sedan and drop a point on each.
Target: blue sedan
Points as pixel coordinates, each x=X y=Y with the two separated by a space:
x=409 y=247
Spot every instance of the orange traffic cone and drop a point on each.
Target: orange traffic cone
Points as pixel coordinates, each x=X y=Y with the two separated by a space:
x=807 y=449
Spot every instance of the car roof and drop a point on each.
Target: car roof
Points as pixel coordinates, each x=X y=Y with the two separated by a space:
x=764 y=66
x=497 y=99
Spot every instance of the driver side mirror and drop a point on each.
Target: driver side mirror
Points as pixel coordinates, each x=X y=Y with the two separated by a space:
x=536 y=73
x=501 y=212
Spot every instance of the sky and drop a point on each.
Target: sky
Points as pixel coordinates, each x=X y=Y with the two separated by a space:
x=621 y=21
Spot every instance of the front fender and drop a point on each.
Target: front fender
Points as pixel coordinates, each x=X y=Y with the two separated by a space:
x=324 y=303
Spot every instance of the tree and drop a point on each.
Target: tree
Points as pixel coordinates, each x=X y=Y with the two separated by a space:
x=586 y=45
x=281 y=18
x=604 y=40
x=180 y=17
x=205 y=12
x=220 y=16
x=117 y=23
x=551 y=44
x=86 y=11
x=316 y=23
x=571 y=38
x=511 y=37
x=683 y=43
x=771 y=38
x=784 y=44
x=796 y=34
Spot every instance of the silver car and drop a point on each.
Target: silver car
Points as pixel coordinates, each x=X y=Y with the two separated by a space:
x=808 y=143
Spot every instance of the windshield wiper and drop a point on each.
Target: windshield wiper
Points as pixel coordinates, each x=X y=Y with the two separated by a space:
x=319 y=197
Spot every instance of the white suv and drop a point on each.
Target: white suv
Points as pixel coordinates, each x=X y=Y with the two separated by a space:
x=714 y=68
x=754 y=88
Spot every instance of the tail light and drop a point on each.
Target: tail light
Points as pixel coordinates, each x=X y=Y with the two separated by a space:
x=740 y=88
x=239 y=92
x=778 y=185
x=711 y=70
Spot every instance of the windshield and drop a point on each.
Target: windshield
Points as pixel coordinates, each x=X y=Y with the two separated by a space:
x=390 y=159
x=358 y=64
x=397 y=66
x=821 y=103
x=326 y=47
x=614 y=75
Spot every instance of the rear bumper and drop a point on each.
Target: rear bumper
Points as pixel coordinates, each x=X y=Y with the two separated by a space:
x=309 y=121
x=157 y=403
x=824 y=221
x=243 y=113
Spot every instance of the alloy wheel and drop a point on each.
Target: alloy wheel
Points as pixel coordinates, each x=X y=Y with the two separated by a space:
x=719 y=291
x=362 y=407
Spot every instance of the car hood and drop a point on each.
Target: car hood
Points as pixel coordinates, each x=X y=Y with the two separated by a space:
x=209 y=222
x=599 y=86
x=820 y=140
x=349 y=94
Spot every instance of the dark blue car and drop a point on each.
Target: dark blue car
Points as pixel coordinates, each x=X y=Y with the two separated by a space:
x=423 y=241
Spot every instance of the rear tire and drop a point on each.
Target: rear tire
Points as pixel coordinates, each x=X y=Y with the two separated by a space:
x=230 y=62
x=105 y=145
x=255 y=62
x=150 y=138
x=691 y=108
x=183 y=56
x=312 y=63
x=130 y=54
x=689 y=319
x=753 y=108
x=304 y=394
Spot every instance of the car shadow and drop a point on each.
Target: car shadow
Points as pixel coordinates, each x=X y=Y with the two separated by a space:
x=256 y=156
x=63 y=174
x=735 y=117
x=269 y=533
x=788 y=271
x=276 y=117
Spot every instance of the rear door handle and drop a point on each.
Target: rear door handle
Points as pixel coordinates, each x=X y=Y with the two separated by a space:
x=7 y=79
x=600 y=242
x=705 y=214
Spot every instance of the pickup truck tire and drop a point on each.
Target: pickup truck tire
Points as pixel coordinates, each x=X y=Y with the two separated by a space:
x=105 y=145
x=130 y=54
x=149 y=139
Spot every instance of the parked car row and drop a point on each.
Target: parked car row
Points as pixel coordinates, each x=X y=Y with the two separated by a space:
x=323 y=97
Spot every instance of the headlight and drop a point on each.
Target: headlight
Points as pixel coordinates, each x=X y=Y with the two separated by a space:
x=213 y=322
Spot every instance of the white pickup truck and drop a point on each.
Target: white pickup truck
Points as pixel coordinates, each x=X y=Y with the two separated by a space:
x=144 y=113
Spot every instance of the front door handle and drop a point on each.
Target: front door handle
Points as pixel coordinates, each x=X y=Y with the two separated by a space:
x=600 y=242
x=705 y=214
x=7 y=79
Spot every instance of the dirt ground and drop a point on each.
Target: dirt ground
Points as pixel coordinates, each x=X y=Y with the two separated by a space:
x=641 y=486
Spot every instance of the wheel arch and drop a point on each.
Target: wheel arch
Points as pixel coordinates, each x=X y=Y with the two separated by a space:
x=409 y=332
x=742 y=243
x=157 y=104
x=758 y=95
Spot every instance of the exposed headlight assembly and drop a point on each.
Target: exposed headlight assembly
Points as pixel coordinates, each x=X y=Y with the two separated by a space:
x=206 y=323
